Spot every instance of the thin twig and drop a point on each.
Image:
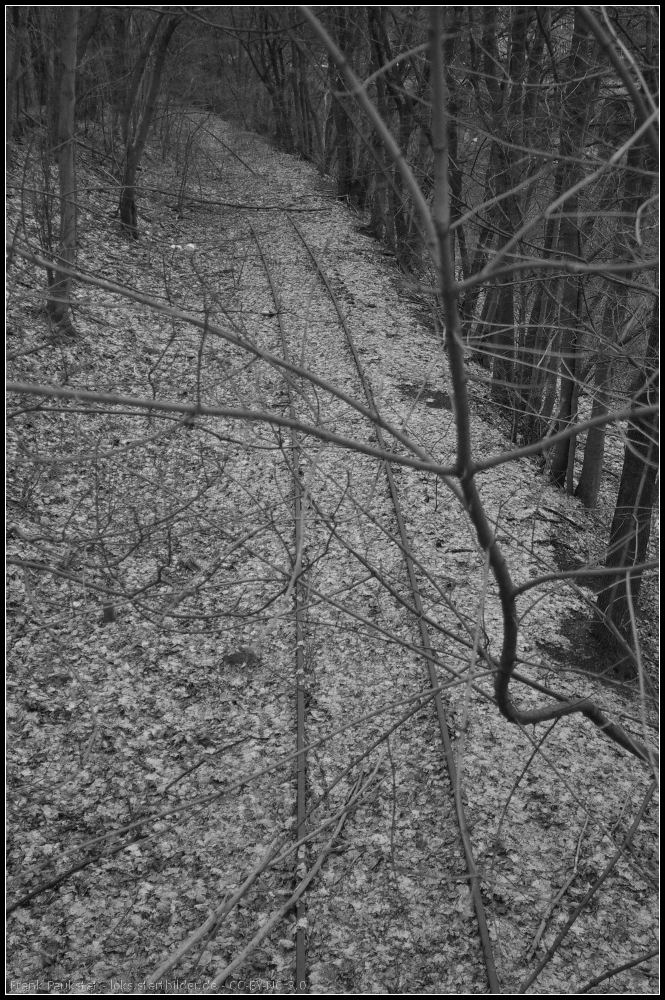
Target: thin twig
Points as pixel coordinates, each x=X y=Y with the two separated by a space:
x=592 y=891
x=564 y=888
x=619 y=968
x=278 y=915
x=72 y=670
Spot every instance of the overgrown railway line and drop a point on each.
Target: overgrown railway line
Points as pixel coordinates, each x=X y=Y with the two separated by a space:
x=430 y=658
x=330 y=602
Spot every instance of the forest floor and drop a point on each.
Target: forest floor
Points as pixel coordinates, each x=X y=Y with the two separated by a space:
x=180 y=714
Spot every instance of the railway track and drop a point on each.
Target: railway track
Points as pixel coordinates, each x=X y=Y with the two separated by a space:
x=301 y=598
x=300 y=601
x=318 y=602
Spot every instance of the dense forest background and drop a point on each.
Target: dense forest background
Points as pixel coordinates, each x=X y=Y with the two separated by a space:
x=505 y=157
x=552 y=158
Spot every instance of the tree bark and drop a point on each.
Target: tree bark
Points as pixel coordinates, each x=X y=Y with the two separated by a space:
x=58 y=302
x=574 y=118
x=594 y=450
x=503 y=349
x=48 y=96
x=505 y=214
x=136 y=145
x=130 y=94
x=631 y=524
x=19 y=17
x=341 y=19
x=637 y=186
x=86 y=31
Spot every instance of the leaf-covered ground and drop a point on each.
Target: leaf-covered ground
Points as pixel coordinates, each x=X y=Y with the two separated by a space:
x=177 y=719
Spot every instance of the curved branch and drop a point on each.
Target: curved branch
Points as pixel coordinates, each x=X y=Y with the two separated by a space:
x=617 y=969
x=467 y=468
x=592 y=891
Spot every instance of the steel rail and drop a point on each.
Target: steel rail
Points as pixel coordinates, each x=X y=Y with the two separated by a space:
x=300 y=600
x=430 y=655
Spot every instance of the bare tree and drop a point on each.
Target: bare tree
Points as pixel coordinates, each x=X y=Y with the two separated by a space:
x=447 y=127
x=59 y=278
x=135 y=140
x=631 y=524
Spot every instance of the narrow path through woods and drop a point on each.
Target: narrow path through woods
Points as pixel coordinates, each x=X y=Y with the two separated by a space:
x=190 y=731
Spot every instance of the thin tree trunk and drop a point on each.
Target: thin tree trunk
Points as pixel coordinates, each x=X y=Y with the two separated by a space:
x=314 y=123
x=574 y=123
x=131 y=93
x=594 y=450
x=299 y=112
x=342 y=130
x=27 y=77
x=503 y=341
x=451 y=39
x=568 y=357
x=58 y=302
x=86 y=31
x=136 y=146
x=379 y=195
x=631 y=524
x=49 y=89
x=19 y=16
x=548 y=391
x=484 y=333
x=637 y=185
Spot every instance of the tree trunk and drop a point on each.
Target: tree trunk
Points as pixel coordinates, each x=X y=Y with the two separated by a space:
x=504 y=170
x=451 y=40
x=379 y=185
x=503 y=341
x=483 y=334
x=58 y=302
x=86 y=31
x=130 y=92
x=574 y=117
x=27 y=82
x=342 y=130
x=19 y=17
x=48 y=97
x=135 y=146
x=548 y=388
x=314 y=120
x=594 y=450
x=631 y=524
x=569 y=348
x=637 y=186
x=299 y=110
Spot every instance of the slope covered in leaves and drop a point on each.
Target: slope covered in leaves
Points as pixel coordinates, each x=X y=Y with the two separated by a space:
x=177 y=719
